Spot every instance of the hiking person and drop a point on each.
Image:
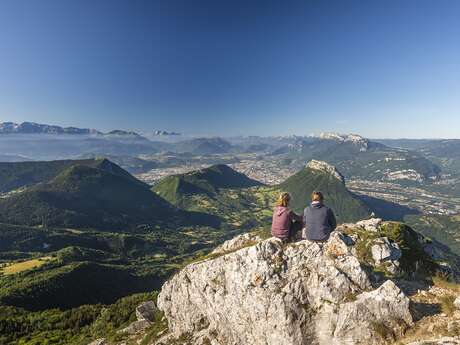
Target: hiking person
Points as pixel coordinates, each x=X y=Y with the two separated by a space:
x=319 y=220
x=285 y=222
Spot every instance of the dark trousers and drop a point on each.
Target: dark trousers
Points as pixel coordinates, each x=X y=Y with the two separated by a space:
x=294 y=229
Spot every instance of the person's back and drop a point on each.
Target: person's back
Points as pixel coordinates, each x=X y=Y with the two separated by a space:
x=319 y=219
x=283 y=218
x=281 y=222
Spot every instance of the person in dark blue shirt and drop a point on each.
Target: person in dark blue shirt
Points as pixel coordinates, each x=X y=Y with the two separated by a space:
x=319 y=220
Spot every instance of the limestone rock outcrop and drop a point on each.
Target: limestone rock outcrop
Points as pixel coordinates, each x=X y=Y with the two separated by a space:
x=272 y=293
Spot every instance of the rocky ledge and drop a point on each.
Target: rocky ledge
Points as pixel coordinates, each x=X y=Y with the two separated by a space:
x=344 y=291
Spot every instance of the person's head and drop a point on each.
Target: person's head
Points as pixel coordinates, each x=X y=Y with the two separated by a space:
x=283 y=199
x=317 y=197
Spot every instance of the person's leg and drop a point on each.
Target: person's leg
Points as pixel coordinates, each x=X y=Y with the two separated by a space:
x=294 y=228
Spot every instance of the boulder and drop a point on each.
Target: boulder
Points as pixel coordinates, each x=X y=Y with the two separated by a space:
x=146 y=311
x=386 y=308
x=136 y=327
x=271 y=293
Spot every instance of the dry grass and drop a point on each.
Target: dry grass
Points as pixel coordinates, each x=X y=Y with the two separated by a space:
x=447 y=304
x=383 y=331
x=445 y=283
x=456 y=218
x=25 y=265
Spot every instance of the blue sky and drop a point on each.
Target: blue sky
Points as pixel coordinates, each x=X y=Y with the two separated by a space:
x=377 y=68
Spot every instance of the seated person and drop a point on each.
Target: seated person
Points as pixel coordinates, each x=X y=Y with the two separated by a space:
x=319 y=220
x=285 y=222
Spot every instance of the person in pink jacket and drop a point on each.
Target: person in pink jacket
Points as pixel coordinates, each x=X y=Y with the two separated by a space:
x=285 y=222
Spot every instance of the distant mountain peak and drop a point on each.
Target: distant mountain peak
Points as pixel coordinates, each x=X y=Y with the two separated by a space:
x=123 y=133
x=325 y=167
x=351 y=138
x=165 y=133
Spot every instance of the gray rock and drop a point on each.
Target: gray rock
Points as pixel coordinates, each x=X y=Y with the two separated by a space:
x=327 y=168
x=274 y=294
x=457 y=303
x=384 y=250
x=387 y=308
x=146 y=311
x=236 y=243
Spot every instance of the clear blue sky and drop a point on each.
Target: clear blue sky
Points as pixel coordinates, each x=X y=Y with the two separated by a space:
x=378 y=68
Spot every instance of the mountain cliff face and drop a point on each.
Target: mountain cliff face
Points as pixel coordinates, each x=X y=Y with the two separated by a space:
x=345 y=291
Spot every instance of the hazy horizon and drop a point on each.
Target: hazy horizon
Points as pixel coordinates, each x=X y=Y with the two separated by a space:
x=210 y=135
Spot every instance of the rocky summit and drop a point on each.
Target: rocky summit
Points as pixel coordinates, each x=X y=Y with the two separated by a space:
x=345 y=291
x=325 y=167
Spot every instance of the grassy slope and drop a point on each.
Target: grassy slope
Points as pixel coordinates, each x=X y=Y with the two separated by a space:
x=77 y=326
x=95 y=283
x=208 y=181
x=83 y=196
x=221 y=191
x=445 y=229
x=16 y=175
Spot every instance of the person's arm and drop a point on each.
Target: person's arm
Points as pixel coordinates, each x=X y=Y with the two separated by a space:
x=332 y=220
x=295 y=216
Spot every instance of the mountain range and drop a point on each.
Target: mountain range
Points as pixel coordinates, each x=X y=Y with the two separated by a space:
x=355 y=156
x=361 y=158
x=36 y=128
